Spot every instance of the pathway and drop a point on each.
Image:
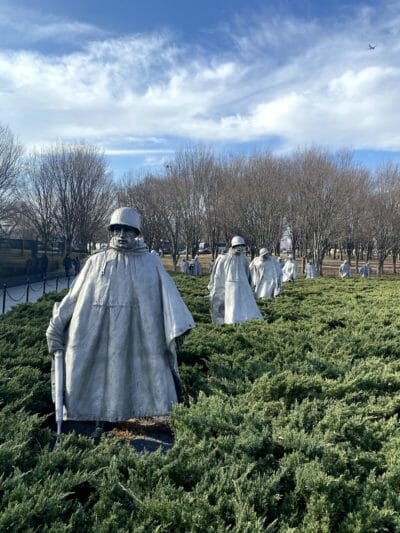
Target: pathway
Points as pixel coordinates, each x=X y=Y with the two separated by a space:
x=31 y=292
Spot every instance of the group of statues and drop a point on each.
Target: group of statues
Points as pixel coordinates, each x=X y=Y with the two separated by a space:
x=345 y=270
x=115 y=335
x=192 y=267
x=235 y=284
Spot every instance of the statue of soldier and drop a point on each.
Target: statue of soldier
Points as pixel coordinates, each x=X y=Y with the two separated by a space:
x=366 y=270
x=310 y=270
x=266 y=275
x=118 y=326
x=232 y=300
x=345 y=269
x=289 y=269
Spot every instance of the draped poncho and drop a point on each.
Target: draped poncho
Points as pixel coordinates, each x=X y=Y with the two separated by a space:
x=117 y=325
x=289 y=270
x=265 y=276
x=232 y=300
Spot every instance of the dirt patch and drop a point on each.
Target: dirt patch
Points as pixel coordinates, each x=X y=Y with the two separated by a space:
x=144 y=434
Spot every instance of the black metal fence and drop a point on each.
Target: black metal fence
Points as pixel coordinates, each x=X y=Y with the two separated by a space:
x=46 y=285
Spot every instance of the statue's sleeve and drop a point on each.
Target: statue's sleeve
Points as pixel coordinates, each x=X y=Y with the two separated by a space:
x=177 y=318
x=254 y=273
x=215 y=273
x=247 y=269
x=62 y=313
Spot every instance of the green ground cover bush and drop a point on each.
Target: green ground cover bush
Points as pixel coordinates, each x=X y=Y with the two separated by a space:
x=289 y=424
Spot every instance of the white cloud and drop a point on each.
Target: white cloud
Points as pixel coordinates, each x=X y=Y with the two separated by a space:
x=136 y=151
x=300 y=82
x=21 y=26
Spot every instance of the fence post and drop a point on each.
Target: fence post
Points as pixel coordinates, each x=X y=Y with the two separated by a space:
x=56 y=283
x=44 y=285
x=4 y=297
x=27 y=290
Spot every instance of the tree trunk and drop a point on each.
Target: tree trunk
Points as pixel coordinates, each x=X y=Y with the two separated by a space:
x=357 y=258
x=394 y=260
x=369 y=252
x=381 y=261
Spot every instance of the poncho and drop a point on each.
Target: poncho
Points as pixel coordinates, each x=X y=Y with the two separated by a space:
x=289 y=270
x=365 y=271
x=265 y=277
x=345 y=270
x=232 y=300
x=310 y=271
x=117 y=325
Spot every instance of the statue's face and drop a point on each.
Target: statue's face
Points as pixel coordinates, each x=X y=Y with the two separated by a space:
x=123 y=237
x=237 y=250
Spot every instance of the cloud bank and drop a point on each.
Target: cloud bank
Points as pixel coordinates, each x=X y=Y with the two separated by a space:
x=277 y=78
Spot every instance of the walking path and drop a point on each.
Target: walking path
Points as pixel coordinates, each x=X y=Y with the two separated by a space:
x=30 y=292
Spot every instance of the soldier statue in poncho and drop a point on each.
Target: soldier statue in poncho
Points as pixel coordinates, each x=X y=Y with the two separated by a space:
x=266 y=275
x=117 y=327
x=232 y=300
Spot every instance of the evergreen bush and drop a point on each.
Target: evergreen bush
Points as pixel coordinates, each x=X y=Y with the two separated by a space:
x=289 y=424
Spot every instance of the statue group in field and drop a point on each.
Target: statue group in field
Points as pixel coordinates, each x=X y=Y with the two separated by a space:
x=115 y=335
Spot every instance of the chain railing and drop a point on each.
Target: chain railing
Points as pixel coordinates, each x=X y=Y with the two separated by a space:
x=44 y=286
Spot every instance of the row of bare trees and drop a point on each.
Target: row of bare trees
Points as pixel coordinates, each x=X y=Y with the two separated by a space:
x=10 y=166
x=64 y=192
x=322 y=200
x=67 y=192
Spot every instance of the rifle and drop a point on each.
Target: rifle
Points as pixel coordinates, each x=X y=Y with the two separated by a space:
x=58 y=397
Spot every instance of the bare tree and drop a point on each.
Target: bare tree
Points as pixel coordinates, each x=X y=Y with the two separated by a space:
x=156 y=200
x=318 y=191
x=82 y=188
x=10 y=165
x=95 y=191
x=143 y=196
x=213 y=195
x=267 y=202
x=356 y=225
x=38 y=204
x=191 y=172
x=385 y=210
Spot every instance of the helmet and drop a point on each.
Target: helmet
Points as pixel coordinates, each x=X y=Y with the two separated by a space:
x=264 y=251
x=125 y=216
x=237 y=241
x=290 y=256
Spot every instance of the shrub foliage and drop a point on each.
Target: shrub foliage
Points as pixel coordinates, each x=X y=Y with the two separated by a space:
x=289 y=424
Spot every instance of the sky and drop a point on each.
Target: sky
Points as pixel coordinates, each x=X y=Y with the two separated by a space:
x=141 y=79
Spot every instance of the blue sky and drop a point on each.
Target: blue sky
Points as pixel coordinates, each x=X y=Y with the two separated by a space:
x=141 y=79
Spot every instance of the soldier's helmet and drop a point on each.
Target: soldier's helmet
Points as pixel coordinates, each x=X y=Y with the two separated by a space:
x=125 y=216
x=237 y=241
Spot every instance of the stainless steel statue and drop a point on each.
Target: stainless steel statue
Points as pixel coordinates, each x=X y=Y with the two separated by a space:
x=289 y=269
x=117 y=327
x=232 y=300
x=266 y=275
